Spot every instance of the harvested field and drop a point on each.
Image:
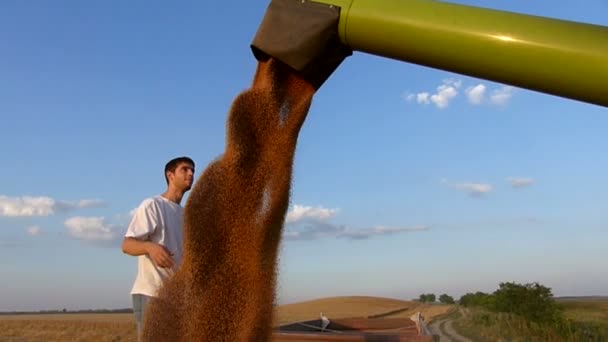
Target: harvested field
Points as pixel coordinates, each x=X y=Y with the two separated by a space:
x=43 y=328
x=121 y=327
x=356 y=306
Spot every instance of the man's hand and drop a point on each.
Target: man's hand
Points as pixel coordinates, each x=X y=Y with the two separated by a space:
x=160 y=255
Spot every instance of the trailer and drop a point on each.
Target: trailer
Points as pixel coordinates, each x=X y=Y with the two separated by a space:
x=354 y=329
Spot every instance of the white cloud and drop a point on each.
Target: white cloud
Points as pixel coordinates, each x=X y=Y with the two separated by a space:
x=299 y=213
x=34 y=231
x=26 y=206
x=520 y=182
x=445 y=93
x=319 y=230
x=80 y=204
x=476 y=94
x=308 y=223
x=362 y=234
x=423 y=98
x=311 y=230
x=90 y=228
x=501 y=96
x=474 y=189
x=452 y=82
x=90 y=203
x=449 y=90
x=420 y=98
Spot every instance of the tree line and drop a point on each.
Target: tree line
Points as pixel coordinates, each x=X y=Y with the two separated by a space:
x=531 y=302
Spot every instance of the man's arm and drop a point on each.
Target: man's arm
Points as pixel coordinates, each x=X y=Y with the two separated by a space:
x=158 y=253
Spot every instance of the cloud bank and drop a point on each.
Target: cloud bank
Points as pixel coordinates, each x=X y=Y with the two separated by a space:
x=520 y=182
x=449 y=90
x=441 y=98
x=474 y=189
x=308 y=223
x=478 y=189
x=28 y=206
x=90 y=228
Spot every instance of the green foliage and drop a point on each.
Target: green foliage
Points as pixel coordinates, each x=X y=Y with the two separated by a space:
x=427 y=298
x=445 y=299
x=486 y=325
x=476 y=299
x=525 y=310
x=532 y=301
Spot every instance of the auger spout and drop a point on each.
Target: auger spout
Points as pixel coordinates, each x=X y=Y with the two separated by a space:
x=558 y=57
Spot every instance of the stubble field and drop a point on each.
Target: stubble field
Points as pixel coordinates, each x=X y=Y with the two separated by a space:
x=121 y=326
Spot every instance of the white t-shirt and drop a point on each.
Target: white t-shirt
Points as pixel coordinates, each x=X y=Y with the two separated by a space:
x=159 y=220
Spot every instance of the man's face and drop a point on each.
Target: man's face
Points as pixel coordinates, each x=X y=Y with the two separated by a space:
x=183 y=177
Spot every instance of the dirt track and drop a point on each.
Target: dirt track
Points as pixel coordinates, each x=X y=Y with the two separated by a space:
x=443 y=328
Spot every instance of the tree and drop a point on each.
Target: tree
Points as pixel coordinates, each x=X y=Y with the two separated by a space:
x=477 y=299
x=533 y=301
x=445 y=299
x=427 y=297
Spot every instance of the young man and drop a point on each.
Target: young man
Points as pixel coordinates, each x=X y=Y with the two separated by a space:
x=155 y=235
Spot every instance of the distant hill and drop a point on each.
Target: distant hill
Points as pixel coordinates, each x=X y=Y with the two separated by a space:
x=332 y=307
x=355 y=306
x=581 y=298
x=50 y=312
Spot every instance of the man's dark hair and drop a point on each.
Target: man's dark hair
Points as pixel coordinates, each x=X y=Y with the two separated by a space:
x=173 y=163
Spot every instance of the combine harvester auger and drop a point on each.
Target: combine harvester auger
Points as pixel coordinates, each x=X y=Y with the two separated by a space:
x=558 y=57
x=552 y=56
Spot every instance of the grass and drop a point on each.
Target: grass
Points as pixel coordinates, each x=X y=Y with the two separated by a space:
x=593 y=310
x=586 y=320
x=465 y=327
x=452 y=313
x=121 y=327
x=482 y=325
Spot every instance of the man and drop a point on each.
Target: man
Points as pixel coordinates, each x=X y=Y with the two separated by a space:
x=155 y=235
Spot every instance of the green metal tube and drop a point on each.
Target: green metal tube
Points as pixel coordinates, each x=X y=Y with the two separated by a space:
x=557 y=57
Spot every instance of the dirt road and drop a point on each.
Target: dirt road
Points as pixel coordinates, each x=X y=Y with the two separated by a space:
x=443 y=328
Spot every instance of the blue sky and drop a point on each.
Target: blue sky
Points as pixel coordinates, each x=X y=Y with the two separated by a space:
x=407 y=179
